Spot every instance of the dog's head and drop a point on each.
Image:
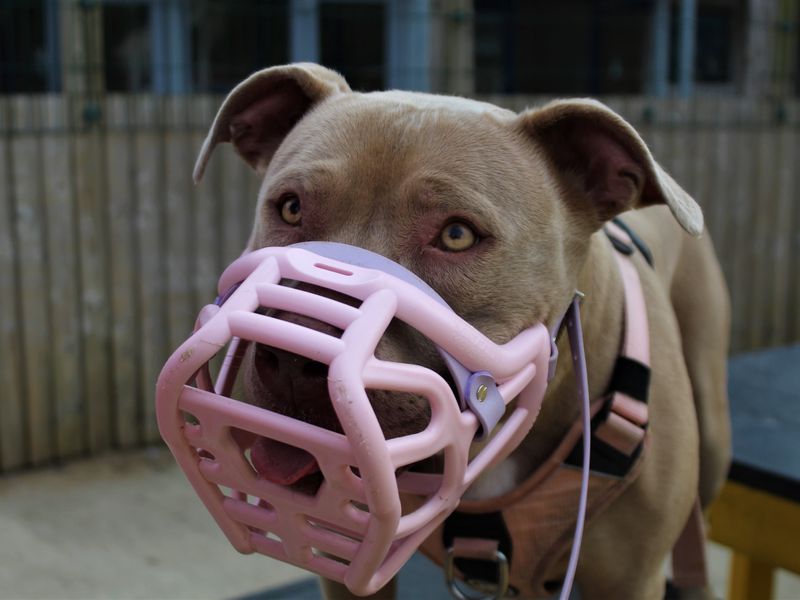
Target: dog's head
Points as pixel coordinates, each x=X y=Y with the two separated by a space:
x=491 y=208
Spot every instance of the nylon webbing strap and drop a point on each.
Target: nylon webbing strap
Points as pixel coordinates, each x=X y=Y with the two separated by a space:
x=618 y=429
x=689 y=553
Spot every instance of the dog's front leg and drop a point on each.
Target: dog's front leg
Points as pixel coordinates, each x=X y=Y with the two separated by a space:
x=333 y=590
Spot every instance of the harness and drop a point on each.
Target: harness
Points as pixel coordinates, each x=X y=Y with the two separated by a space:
x=523 y=537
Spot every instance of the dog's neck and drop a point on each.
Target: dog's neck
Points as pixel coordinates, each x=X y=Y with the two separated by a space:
x=601 y=316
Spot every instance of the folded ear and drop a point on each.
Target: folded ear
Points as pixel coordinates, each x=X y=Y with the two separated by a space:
x=599 y=152
x=263 y=108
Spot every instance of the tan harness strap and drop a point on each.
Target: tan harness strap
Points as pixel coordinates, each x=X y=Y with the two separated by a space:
x=688 y=554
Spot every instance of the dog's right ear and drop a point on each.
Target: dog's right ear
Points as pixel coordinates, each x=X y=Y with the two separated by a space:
x=608 y=165
x=263 y=108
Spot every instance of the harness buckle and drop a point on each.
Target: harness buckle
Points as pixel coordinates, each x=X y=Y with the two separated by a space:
x=479 y=549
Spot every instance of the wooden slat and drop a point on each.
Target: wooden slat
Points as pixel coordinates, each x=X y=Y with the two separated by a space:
x=615 y=103
x=708 y=182
x=31 y=232
x=636 y=110
x=64 y=276
x=124 y=257
x=762 y=210
x=725 y=184
x=90 y=164
x=782 y=231
x=250 y=200
x=206 y=208
x=793 y=257
x=179 y=214
x=13 y=443
x=694 y=145
x=658 y=132
x=236 y=204
x=681 y=146
x=151 y=233
x=740 y=239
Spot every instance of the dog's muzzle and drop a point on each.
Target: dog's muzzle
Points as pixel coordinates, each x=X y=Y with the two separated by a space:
x=358 y=526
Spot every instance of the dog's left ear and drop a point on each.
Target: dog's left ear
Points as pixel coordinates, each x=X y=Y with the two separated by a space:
x=596 y=150
x=261 y=110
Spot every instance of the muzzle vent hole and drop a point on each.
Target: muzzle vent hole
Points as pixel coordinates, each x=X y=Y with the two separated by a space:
x=205 y=454
x=320 y=554
x=273 y=536
x=315 y=369
x=232 y=493
x=335 y=531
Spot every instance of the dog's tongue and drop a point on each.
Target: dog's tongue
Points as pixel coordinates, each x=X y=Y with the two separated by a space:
x=281 y=463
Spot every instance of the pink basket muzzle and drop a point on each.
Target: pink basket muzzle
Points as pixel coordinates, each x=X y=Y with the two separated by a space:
x=371 y=511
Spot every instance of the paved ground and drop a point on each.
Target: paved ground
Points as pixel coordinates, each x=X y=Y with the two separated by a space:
x=128 y=526
x=120 y=526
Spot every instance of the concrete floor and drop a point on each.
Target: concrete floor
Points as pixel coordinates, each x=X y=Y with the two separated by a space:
x=129 y=526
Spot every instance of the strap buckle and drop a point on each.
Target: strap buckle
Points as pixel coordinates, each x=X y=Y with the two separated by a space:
x=481 y=550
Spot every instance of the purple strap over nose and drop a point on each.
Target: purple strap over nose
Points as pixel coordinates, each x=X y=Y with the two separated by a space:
x=477 y=391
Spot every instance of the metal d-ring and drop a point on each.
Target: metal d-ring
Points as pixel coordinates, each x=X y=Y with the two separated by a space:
x=459 y=594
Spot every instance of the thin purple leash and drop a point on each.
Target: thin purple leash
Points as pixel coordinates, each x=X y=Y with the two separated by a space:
x=582 y=380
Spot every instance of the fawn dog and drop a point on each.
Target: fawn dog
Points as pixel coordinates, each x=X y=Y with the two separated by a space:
x=502 y=213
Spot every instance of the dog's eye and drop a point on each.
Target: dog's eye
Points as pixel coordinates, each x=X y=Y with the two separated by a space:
x=457 y=236
x=289 y=206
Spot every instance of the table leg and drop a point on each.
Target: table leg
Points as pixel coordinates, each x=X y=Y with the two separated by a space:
x=749 y=579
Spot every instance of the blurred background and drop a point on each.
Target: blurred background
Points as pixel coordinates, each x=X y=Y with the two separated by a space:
x=107 y=249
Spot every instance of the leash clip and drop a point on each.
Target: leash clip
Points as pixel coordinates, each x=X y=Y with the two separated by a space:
x=477 y=549
x=577 y=298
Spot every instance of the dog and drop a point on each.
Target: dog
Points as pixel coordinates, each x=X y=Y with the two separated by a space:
x=503 y=215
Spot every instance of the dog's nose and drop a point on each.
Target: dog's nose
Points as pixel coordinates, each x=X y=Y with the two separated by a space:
x=295 y=385
x=279 y=367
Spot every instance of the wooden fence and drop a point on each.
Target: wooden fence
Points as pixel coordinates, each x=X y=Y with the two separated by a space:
x=107 y=249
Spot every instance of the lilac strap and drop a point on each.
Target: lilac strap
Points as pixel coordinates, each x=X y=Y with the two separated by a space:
x=575 y=331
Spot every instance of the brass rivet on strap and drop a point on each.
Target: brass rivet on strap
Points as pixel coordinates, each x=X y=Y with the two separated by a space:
x=481 y=392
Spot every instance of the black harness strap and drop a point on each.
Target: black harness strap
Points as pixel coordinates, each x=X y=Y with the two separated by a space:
x=630 y=377
x=605 y=459
x=637 y=241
